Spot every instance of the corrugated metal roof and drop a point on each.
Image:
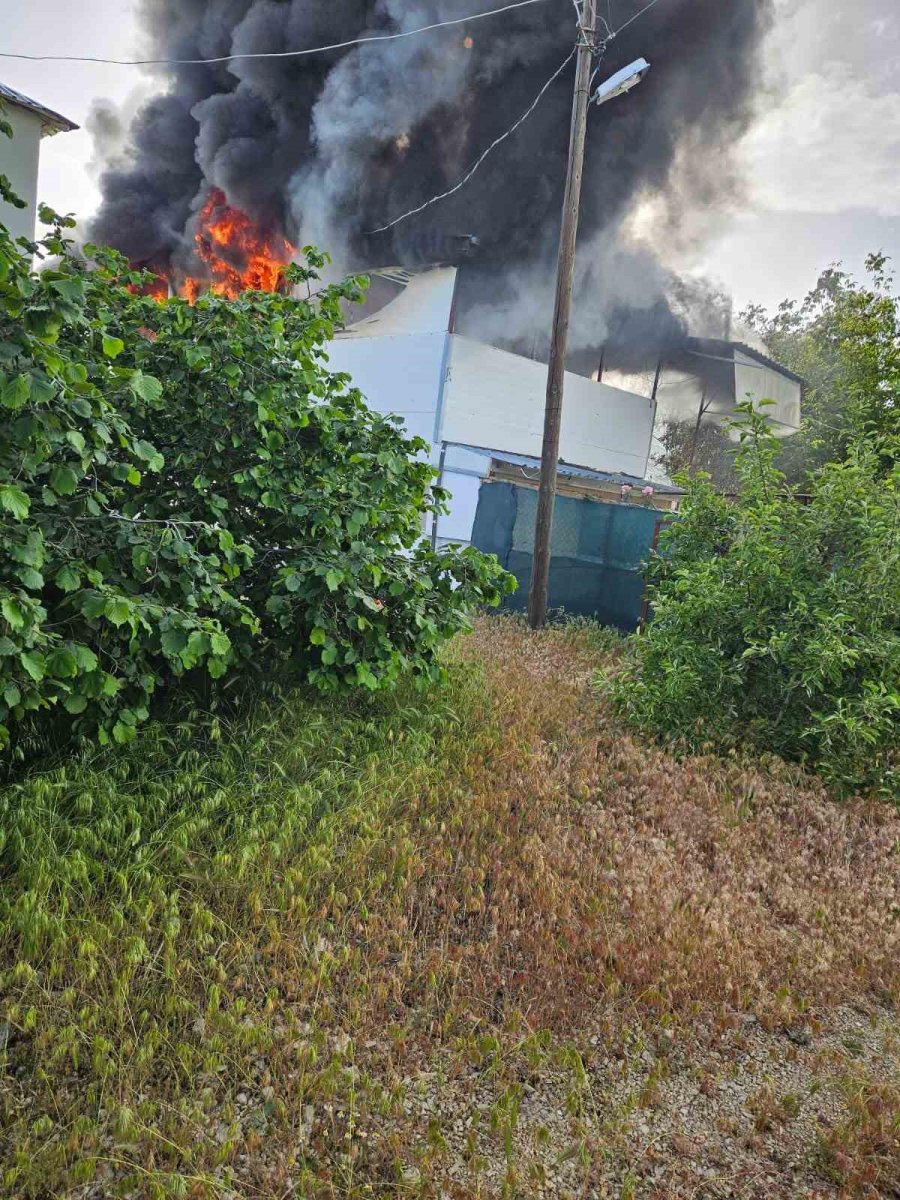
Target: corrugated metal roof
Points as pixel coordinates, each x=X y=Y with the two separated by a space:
x=51 y=122
x=713 y=347
x=576 y=472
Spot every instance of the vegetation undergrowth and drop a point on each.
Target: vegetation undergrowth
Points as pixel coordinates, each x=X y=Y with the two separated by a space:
x=337 y=946
x=775 y=621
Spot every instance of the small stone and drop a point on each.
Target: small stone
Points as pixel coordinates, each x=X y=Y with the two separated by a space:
x=800 y=1035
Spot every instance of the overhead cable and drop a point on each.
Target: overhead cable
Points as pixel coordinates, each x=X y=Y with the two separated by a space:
x=631 y=20
x=189 y=62
x=493 y=146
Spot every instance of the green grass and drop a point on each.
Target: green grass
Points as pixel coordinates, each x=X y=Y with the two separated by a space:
x=152 y=899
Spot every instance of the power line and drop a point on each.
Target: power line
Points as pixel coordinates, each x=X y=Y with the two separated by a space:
x=493 y=146
x=189 y=62
x=631 y=20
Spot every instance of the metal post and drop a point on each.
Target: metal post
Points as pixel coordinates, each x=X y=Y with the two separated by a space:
x=540 y=569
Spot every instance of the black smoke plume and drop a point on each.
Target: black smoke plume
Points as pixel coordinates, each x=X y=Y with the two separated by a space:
x=329 y=147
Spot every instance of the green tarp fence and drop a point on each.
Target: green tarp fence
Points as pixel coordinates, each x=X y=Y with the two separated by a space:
x=598 y=551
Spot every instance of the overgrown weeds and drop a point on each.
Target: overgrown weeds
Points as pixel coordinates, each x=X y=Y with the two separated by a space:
x=393 y=946
x=862 y=1152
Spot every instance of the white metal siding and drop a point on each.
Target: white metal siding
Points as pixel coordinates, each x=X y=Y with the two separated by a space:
x=755 y=381
x=400 y=375
x=496 y=400
x=19 y=158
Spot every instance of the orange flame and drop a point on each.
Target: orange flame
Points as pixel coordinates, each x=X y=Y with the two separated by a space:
x=157 y=288
x=239 y=256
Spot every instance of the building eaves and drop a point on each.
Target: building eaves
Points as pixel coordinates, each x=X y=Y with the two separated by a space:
x=571 y=471
x=51 y=122
x=725 y=351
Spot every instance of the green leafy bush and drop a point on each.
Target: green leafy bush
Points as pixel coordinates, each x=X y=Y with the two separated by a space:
x=189 y=487
x=777 y=623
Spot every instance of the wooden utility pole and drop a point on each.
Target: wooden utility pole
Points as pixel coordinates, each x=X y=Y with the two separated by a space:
x=540 y=567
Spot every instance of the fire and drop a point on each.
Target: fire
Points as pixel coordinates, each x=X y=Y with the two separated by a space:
x=238 y=255
x=157 y=287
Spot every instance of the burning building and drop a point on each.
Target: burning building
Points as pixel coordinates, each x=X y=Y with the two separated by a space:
x=329 y=147
x=250 y=150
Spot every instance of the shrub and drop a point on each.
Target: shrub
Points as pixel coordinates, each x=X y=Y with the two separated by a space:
x=189 y=487
x=777 y=623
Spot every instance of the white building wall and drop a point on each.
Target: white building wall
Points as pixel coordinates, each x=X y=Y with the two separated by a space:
x=400 y=375
x=496 y=400
x=19 y=159
x=449 y=389
x=757 y=382
x=464 y=472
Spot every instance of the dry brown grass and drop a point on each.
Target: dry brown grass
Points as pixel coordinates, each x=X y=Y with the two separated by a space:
x=678 y=886
x=863 y=1150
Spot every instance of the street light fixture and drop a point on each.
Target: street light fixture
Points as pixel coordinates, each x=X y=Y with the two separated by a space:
x=620 y=83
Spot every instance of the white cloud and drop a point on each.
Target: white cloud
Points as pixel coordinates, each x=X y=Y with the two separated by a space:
x=833 y=143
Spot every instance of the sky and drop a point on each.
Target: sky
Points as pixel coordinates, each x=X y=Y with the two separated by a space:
x=821 y=166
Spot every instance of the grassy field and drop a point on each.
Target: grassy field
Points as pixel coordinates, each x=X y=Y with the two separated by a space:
x=472 y=943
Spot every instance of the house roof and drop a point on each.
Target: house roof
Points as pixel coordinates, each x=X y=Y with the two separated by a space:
x=51 y=122
x=717 y=348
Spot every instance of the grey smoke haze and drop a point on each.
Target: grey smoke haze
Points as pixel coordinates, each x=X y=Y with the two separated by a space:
x=329 y=147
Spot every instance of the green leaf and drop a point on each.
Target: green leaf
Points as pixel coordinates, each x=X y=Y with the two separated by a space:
x=112 y=346
x=13 y=612
x=87 y=660
x=32 y=553
x=318 y=637
x=365 y=677
x=33 y=662
x=14 y=394
x=14 y=501
x=31 y=579
x=173 y=641
x=11 y=695
x=75 y=704
x=122 y=733
x=93 y=605
x=145 y=386
x=197 y=646
x=76 y=440
x=64 y=481
x=150 y=455
x=62 y=664
x=41 y=389
x=117 y=610
x=68 y=580
x=70 y=289
x=334 y=579
x=219 y=643
x=196 y=356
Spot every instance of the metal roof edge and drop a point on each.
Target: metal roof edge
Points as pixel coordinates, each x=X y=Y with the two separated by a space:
x=572 y=469
x=743 y=348
x=51 y=122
